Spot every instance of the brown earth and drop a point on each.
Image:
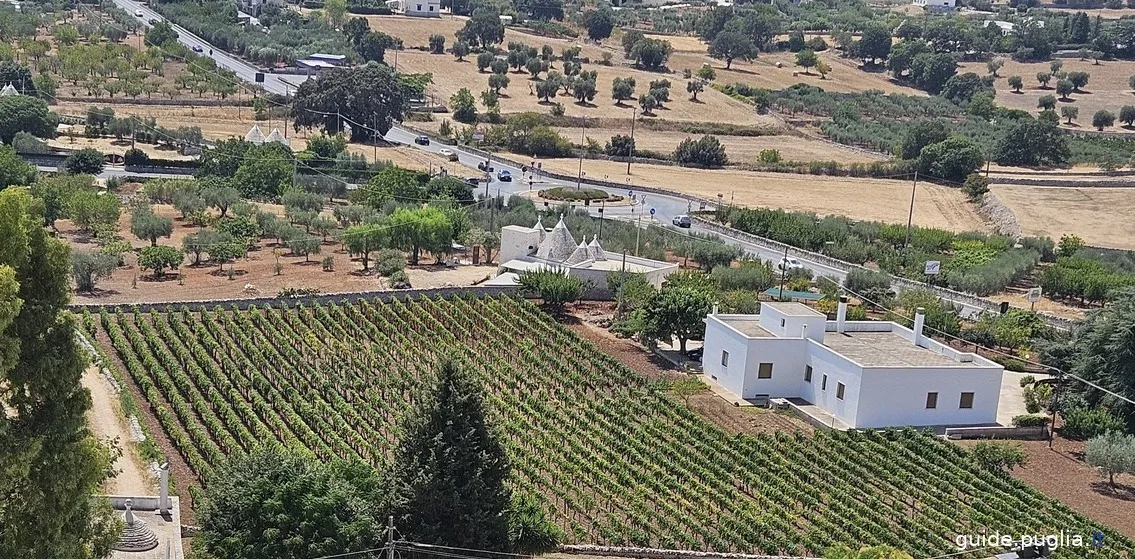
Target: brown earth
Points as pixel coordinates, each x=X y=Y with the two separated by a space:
x=133 y=477
x=1093 y=213
x=1062 y=474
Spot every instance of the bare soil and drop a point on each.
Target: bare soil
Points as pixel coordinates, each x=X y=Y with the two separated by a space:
x=1061 y=473
x=858 y=198
x=133 y=477
x=206 y=281
x=711 y=407
x=1089 y=212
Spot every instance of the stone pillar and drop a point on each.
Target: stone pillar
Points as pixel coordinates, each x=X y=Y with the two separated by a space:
x=163 y=495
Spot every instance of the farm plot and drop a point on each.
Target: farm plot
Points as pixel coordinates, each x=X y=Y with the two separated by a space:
x=613 y=459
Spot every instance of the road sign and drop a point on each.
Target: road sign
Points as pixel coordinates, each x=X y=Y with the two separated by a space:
x=932 y=267
x=1034 y=294
x=479 y=136
x=651 y=211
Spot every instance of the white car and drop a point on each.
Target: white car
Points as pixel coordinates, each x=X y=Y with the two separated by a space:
x=137 y=13
x=448 y=154
x=790 y=263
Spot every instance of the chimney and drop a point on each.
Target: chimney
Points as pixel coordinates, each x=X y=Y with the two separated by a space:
x=841 y=314
x=163 y=495
x=714 y=310
x=804 y=331
x=919 y=320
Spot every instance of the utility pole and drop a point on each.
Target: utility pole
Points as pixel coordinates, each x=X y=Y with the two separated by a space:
x=579 y=177
x=295 y=170
x=634 y=111
x=910 y=216
x=390 y=537
x=493 y=213
x=374 y=133
x=783 y=272
x=602 y=206
x=339 y=127
x=1055 y=406
x=637 y=230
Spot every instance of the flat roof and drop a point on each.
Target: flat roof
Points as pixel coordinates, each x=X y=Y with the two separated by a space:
x=615 y=266
x=750 y=327
x=314 y=63
x=887 y=349
x=791 y=309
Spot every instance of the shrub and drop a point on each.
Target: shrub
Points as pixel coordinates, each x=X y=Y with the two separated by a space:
x=875 y=286
x=399 y=280
x=750 y=276
x=388 y=261
x=1030 y=420
x=1038 y=397
x=1083 y=423
x=555 y=289
x=567 y=193
x=706 y=152
x=998 y=457
x=1027 y=380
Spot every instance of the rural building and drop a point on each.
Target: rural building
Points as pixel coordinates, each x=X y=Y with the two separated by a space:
x=335 y=59
x=257 y=137
x=423 y=8
x=314 y=66
x=533 y=248
x=866 y=374
x=936 y=5
x=253 y=7
x=1006 y=27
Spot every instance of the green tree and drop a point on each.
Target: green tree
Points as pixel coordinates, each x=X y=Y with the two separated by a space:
x=678 y=312
x=584 y=91
x=161 y=34
x=14 y=171
x=730 y=45
x=86 y=161
x=704 y=152
x=334 y=94
x=460 y=49
x=554 y=288
x=362 y=240
x=1102 y=119
x=497 y=82
x=159 y=258
x=975 y=186
x=694 y=87
x=1111 y=453
x=90 y=211
x=464 y=106
x=1032 y=143
x=483 y=28
x=89 y=267
x=707 y=73
x=450 y=469
x=1016 y=83
x=1127 y=115
x=1069 y=245
x=930 y=72
x=1043 y=78
x=1079 y=80
x=316 y=509
x=622 y=89
x=998 y=457
x=651 y=54
x=265 y=172
x=1069 y=112
x=806 y=59
x=1064 y=88
x=437 y=44
x=920 y=134
x=426 y=228
x=530 y=531
x=648 y=103
x=147 y=225
x=202 y=241
x=335 y=11
x=952 y=159
x=219 y=196
x=599 y=22
x=1046 y=102
x=50 y=459
x=485 y=59
x=874 y=44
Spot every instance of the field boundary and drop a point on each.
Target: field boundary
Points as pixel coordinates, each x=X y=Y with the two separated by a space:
x=287 y=302
x=1062 y=183
x=653 y=553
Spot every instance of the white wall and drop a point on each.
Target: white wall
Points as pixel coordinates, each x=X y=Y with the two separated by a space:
x=787 y=356
x=719 y=337
x=515 y=242
x=427 y=8
x=839 y=369
x=894 y=396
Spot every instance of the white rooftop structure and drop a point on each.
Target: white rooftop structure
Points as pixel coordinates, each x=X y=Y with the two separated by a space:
x=534 y=248
x=254 y=135
x=936 y=5
x=8 y=90
x=276 y=136
x=865 y=374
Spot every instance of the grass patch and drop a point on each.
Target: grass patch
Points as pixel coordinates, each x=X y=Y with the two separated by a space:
x=568 y=194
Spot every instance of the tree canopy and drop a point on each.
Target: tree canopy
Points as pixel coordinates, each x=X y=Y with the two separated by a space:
x=333 y=98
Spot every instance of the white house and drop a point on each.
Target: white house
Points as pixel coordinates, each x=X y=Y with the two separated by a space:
x=533 y=248
x=936 y=5
x=254 y=7
x=423 y=8
x=867 y=374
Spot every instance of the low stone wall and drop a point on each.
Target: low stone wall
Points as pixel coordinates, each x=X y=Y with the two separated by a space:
x=653 y=553
x=1071 y=183
x=1004 y=220
x=1015 y=433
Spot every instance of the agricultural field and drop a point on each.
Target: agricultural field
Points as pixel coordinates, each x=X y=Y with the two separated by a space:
x=1107 y=87
x=611 y=457
x=1092 y=213
x=858 y=198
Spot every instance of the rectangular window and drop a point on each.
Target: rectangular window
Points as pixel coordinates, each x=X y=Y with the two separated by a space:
x=782 y=323
x=967 y=401
x=807 y=373
x=931 y=400
x=724 y=358
x=764 y=370
x=839 y=390
x=824 y=383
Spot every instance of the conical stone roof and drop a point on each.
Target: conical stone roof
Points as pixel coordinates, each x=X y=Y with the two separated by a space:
x=275 y=136
x=579 y=255
x=8 y=90
x=136 y=536
x=596 y=251
x=540 y=227
x=558 y=245
x=254 y=135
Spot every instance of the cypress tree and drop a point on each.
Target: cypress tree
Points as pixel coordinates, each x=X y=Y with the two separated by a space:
x=450 y=472
x=49 y=461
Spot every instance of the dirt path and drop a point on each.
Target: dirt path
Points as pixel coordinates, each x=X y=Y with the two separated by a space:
x=107 y=421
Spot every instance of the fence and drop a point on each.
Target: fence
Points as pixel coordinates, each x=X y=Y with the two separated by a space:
x=897 y=282
x=288 y=302
x=1071 y=183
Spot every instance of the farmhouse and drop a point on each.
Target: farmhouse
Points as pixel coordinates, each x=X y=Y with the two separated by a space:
x=423 y=8
x=936 y=5
x=867 y=374
x=525 y=249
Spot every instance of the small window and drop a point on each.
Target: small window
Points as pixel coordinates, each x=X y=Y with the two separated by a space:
x=724 y=358
x=839 y=390
x=967 y=401
x=764 y=370
x=824 y=383
x=807 y=373
x=931 y=400
x=782 y=323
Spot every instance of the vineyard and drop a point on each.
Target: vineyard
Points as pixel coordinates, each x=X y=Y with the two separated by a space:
x=612 y=457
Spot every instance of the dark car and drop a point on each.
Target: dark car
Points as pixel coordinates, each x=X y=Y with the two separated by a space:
x=504 y=176
x=484 y=166
x=422 y=140
x=153 y=21
x=473 y=180
x=695 y=354
x=197 y=48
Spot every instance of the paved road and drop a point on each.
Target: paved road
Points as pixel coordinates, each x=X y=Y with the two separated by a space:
x=273 y=83
x=109 y=172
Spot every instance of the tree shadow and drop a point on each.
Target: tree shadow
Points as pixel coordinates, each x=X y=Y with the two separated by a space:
x=740 y=71
x=307 y=263
x=97 y=293
x=149 y=278
x=1017 y=92
x=1119 y=491
x=585 y=104
x=696 y=100
x=225 y=273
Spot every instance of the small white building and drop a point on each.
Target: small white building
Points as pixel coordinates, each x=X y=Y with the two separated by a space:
x=866 y=374
x=936 y=5
x=525 y=249
x=254 y=7
x=423 y=8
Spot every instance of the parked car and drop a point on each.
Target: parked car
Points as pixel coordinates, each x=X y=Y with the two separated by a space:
x=683 y=221
x=484 y=166
x=137 y=13
x=473 y=180
x=695 y=354
x=504 y=176
x=422 y=140
x=448 y=154
x=197 y=48
x=790 y=263
x=153 y=21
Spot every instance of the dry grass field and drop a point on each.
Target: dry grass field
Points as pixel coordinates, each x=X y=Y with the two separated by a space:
x=870 y=199
x=1107 y=88
x=1098 y=215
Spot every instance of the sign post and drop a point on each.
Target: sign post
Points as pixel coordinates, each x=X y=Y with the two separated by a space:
x=1034 y=296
